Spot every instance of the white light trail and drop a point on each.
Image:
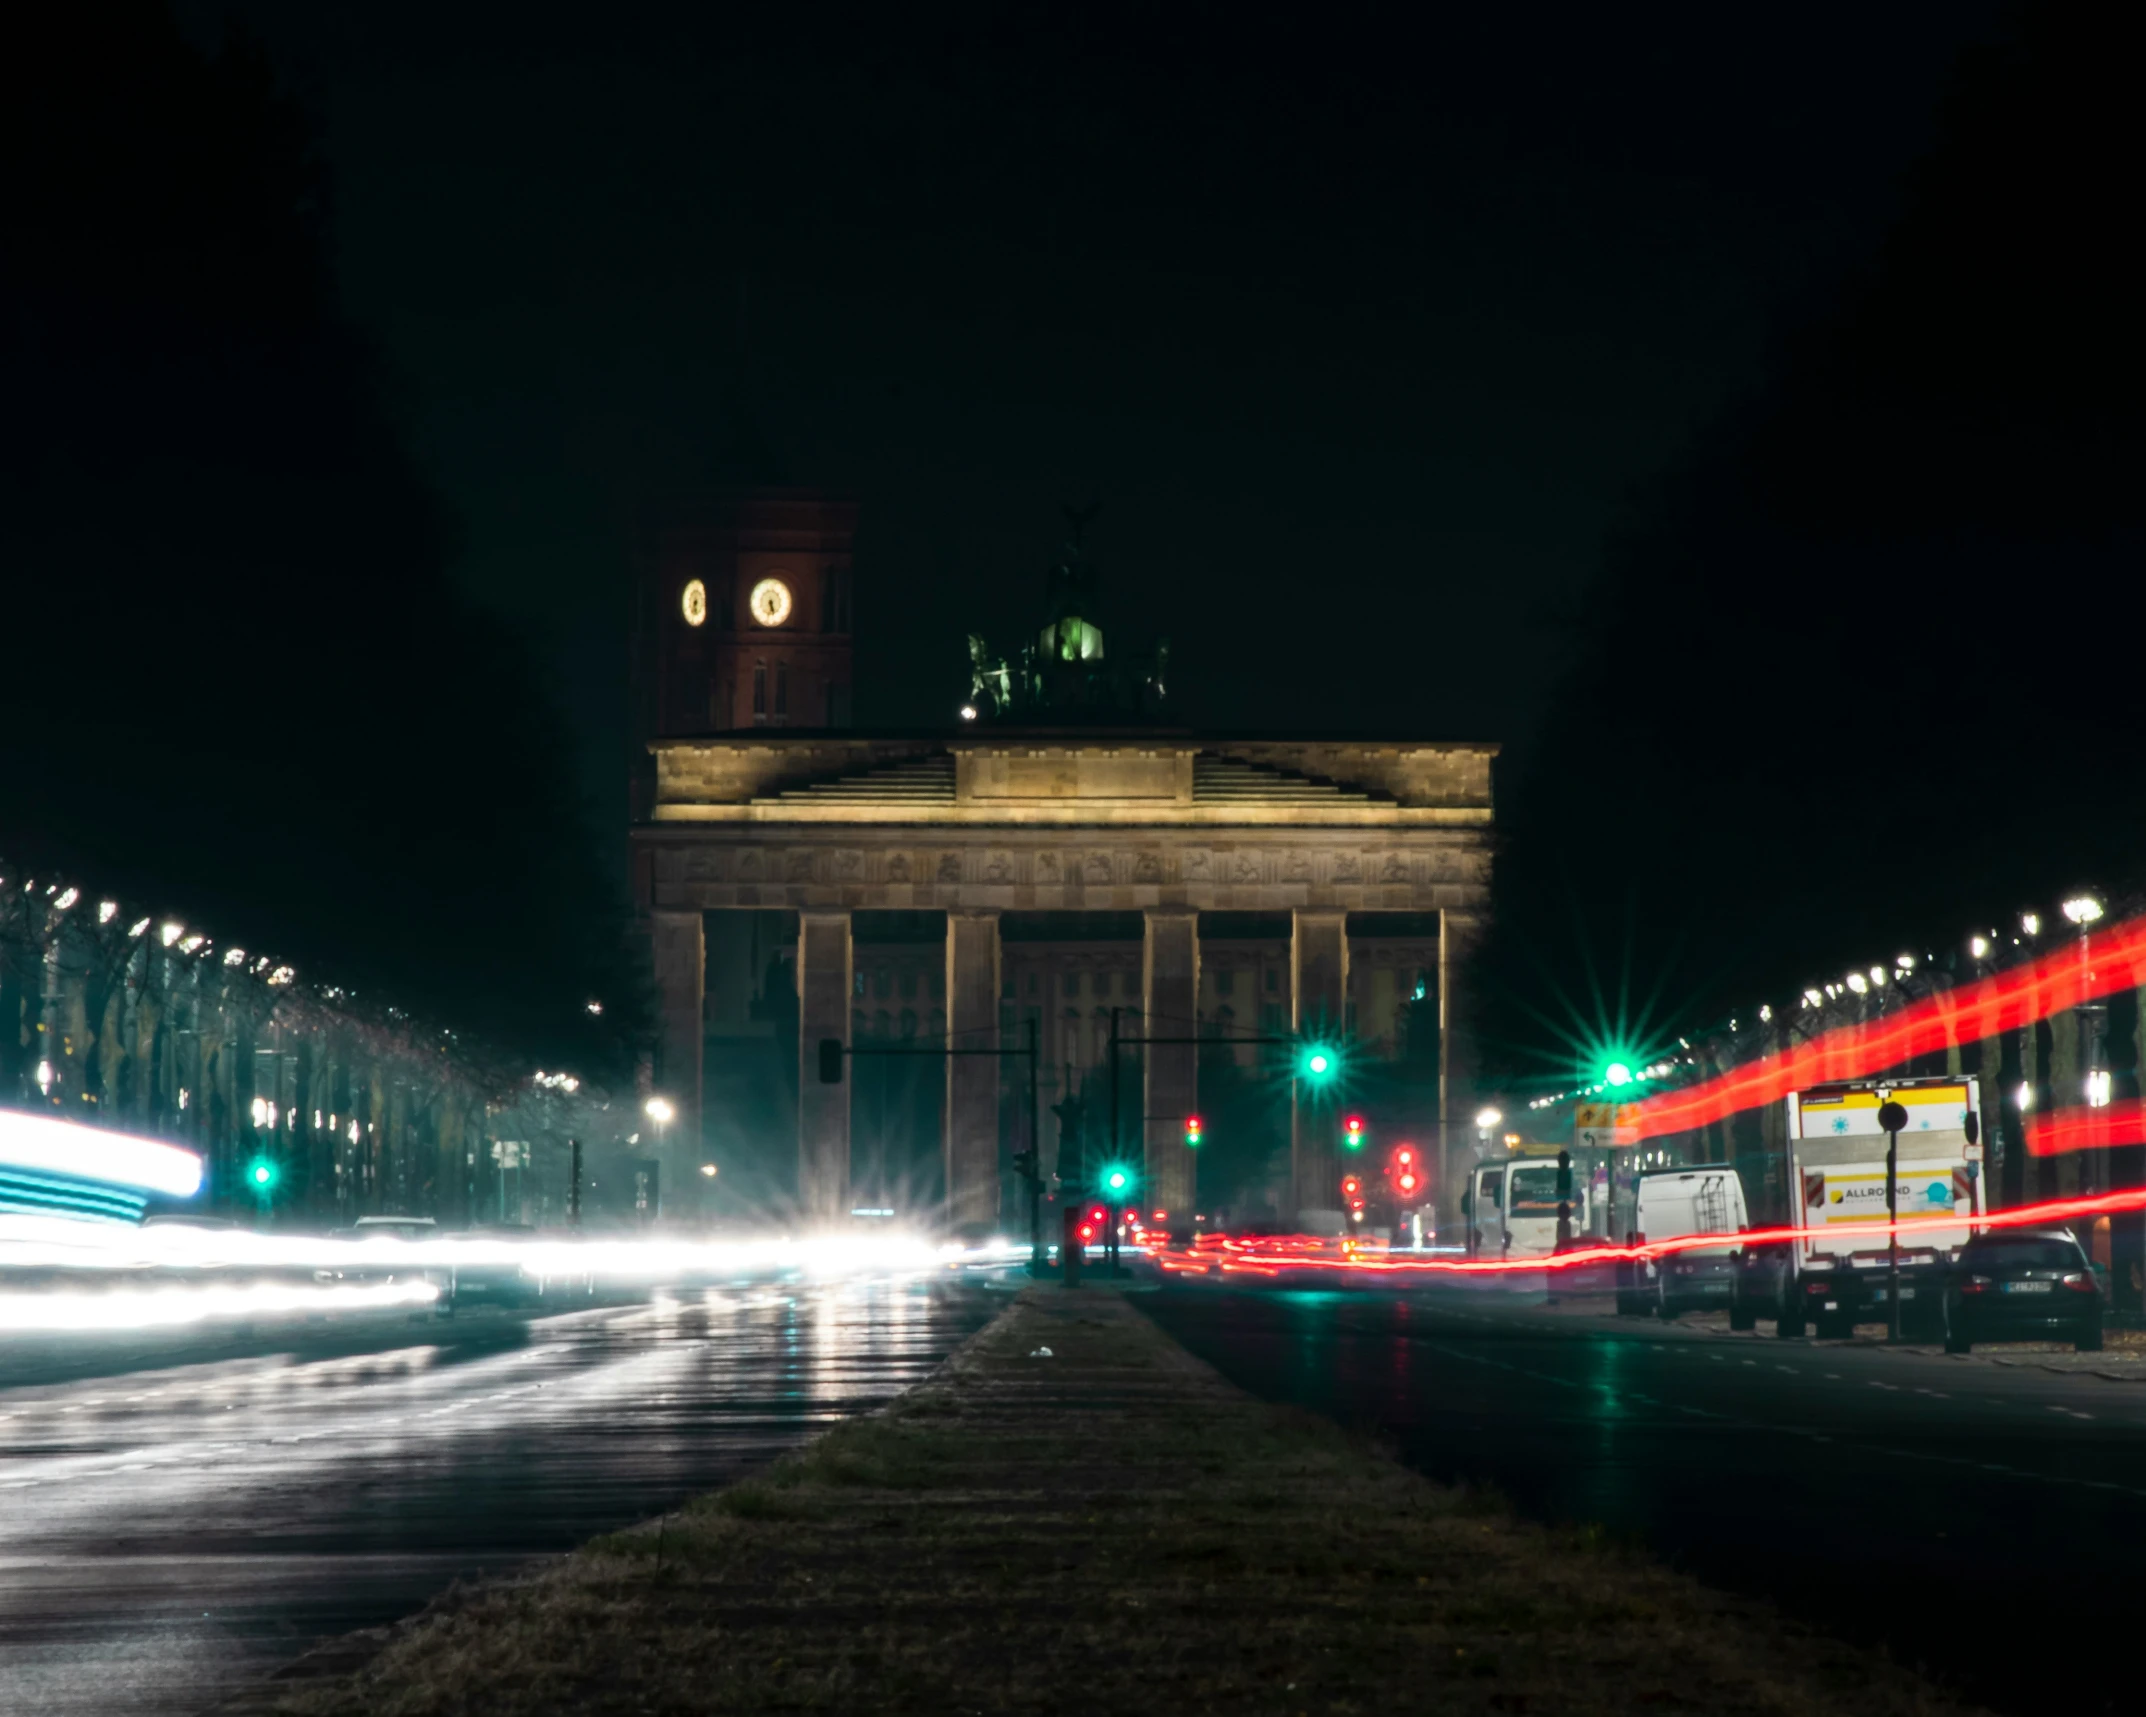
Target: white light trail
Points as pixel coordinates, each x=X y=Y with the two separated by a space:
x=62 y=1310
x=57 y=1242
x=42 y=1145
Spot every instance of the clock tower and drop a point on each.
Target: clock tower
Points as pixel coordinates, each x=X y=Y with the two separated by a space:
x=743 y=615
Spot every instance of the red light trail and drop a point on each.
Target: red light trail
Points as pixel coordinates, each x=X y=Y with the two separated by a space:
x=2062 y=1131
x=2083 y=968
x=1270 y=1257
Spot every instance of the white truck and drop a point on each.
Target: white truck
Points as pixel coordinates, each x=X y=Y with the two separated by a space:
x=1512 y=1204
x=1837 y=1275
x=1532 y=1204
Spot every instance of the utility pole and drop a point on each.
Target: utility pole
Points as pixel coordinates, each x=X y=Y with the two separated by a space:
x=573 y=1183
x=1113 y=1106
x=1036 y=1257
x=1892 y=1117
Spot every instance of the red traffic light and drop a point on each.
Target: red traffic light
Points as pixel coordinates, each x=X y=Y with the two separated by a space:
x=1408 y=1183
x=1099 y=1216
x=1351 y=1186
x=1404 y=1156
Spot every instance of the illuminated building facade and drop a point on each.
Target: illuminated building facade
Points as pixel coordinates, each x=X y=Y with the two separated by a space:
x=742 y=617
x=1053 y=857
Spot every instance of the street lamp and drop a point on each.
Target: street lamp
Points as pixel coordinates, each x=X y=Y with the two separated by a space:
x=660 y=1111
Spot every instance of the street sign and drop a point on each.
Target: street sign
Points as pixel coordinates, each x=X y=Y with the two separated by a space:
x=1594 y=1114
x=1605 y=1138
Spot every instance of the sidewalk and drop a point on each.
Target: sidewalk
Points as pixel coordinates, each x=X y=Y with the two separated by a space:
x=2121 y=1360
x=1108 y=1528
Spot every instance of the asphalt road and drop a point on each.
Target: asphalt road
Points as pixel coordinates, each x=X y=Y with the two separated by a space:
x=169 y=1536
x=1983 y=1521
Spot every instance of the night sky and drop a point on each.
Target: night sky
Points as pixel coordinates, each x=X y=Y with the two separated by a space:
x=1735 y=413
x=1360 y=326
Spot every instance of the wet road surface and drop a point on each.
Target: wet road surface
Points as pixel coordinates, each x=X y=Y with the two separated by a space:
x=1986 y=1522
x=169 y=1536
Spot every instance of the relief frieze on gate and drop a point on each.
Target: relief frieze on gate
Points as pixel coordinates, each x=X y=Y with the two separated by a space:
x=716 y=871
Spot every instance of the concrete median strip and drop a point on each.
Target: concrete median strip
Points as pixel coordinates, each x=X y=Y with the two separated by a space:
x=1116 y=1530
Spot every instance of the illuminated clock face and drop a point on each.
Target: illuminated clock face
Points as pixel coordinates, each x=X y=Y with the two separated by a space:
x=694 y=602
x=770 y=602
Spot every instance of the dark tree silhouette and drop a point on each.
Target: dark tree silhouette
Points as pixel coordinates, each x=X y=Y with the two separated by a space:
x=237 y=680
x=1861 y=677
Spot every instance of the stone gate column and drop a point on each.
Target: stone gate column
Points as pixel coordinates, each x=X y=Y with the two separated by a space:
x=972 y=1081
x=1170 y=1003
x=823 y=996
x=1456 y=1061
x=1318 y=998
x=679 y=946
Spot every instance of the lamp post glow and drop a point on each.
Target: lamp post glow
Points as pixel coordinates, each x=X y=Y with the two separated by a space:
x=661 y=1111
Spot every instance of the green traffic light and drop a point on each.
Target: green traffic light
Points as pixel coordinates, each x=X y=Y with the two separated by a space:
x=1617 y=1073
x=262 y=1174
x=1117 y=1180
x=1318 y=1062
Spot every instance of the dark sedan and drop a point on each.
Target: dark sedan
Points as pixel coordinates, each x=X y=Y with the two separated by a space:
x=2023 y=1285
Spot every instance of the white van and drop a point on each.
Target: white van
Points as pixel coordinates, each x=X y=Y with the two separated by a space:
x=1482 y=1207
x=1669 y=1204
x=1532 y=1203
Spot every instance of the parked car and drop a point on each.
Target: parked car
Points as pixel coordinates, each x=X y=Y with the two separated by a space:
x=2023 y=1285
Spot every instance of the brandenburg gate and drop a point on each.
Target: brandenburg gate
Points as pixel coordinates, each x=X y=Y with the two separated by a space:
x=986 y=821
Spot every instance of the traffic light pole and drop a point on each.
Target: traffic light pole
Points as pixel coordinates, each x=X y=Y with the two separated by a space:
x=1116 y=1147
x=1027 y=1164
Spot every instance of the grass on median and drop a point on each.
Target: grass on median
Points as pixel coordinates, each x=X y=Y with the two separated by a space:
x=1112 y=1528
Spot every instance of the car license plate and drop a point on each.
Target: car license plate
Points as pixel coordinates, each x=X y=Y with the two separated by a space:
x=1905 y=1294
x=2027 y=1287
